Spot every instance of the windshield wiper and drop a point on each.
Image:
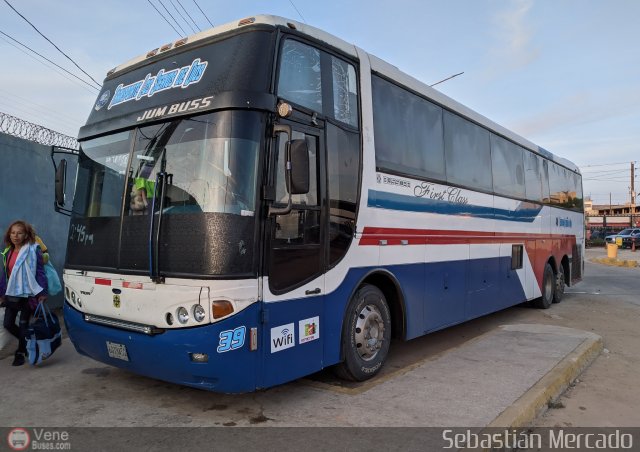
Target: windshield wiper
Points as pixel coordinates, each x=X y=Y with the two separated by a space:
x=162 y=178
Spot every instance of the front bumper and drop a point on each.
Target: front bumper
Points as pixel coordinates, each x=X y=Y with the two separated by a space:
x=167 y=356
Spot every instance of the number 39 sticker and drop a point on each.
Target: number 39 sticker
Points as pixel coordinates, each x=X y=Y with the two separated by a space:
x=232 y=339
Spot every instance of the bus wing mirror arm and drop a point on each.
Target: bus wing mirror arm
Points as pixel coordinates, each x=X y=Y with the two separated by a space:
x=277 y=129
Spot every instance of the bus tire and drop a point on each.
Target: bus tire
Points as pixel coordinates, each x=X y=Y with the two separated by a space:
x=558 y=293
x=366 y=335
x=548 y=288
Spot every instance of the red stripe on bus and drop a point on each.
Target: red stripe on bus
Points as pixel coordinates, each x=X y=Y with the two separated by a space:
x=397 y=236
x=539 y=246
x=103 y=282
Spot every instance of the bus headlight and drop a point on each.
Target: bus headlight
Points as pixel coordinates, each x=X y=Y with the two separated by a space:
x=198 y=312
x=183 y=315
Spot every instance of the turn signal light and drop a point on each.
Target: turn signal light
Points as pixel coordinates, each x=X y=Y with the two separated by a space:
x=221 y=308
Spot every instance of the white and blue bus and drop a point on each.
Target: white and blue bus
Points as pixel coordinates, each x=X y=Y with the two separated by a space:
x=263 y=200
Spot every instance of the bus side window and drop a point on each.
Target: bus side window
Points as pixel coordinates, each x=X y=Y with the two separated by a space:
x=300 y=76
x=300 y=227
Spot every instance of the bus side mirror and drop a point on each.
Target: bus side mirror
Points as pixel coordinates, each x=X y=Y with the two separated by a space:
x=61 y=182
x=299 y=168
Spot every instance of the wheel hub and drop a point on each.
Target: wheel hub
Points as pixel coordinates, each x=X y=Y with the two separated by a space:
x=369 y=334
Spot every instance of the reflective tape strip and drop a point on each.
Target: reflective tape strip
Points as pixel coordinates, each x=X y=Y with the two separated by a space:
x=132 y=285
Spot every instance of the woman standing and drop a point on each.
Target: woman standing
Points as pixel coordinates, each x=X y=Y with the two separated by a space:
x=23 y=277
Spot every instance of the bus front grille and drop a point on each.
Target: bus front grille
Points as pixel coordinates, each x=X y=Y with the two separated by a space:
x=123 y=325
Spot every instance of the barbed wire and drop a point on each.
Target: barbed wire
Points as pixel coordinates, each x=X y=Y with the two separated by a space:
x=33 y=132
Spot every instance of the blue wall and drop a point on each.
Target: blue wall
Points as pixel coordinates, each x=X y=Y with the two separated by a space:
x=27 y=193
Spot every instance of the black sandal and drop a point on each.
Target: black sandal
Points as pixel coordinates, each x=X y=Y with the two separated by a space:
x=18 y=360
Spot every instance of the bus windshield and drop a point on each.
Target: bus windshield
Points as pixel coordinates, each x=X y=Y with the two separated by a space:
x=211 y=162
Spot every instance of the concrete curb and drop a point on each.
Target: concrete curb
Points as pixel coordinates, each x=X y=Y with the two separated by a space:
x=613 y=262
x=536 y=400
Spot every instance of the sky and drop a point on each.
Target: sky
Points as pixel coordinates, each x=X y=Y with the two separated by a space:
x=563 y=74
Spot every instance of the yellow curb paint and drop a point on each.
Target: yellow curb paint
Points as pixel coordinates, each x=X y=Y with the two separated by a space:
x=615 y=262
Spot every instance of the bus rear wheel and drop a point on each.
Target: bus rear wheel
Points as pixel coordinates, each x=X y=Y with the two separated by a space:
x=558 y=293
x=548 y=288
x=366 y=335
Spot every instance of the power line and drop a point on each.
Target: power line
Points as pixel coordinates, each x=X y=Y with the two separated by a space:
x=165 y=19
x=188 y=15
x=184 y=33
x=607 y=180
x=51 y=42
x=605 y=173
x=44 y=57
x=23 y=99
x=180 y=14
x=448 y=78
x=12 y=103
x=603 y=164
x=42 y=117
x=296 y=8
x=205 y=16
x=52 y=68
x=594 y=170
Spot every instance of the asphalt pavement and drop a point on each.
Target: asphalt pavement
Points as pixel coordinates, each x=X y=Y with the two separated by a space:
x=504 y=377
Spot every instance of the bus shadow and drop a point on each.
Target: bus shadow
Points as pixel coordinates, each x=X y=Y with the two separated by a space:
x=407 y=356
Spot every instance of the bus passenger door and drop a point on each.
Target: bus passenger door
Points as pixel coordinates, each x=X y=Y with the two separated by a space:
x=293 y=291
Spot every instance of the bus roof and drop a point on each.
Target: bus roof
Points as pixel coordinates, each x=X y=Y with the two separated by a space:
x=377 y=65
x=263 y=19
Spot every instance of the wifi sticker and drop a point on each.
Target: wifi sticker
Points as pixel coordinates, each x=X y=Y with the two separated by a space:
x=282 y=337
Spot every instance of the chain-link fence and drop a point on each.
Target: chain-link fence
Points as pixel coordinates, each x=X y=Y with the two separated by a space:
x=33 y=132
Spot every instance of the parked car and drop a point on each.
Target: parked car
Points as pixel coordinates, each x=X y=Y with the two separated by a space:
x=624 y=238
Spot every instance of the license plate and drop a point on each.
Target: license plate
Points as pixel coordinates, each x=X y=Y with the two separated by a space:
x=619 y=241
x=118 y=351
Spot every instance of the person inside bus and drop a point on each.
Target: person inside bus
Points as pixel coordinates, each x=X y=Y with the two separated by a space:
x=22 y=277
x=143 y=190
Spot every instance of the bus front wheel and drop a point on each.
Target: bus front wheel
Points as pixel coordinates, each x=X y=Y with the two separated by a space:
x=366 y=335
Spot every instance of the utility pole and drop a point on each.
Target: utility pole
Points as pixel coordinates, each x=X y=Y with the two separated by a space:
x=633 y=195
x=633 y=191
